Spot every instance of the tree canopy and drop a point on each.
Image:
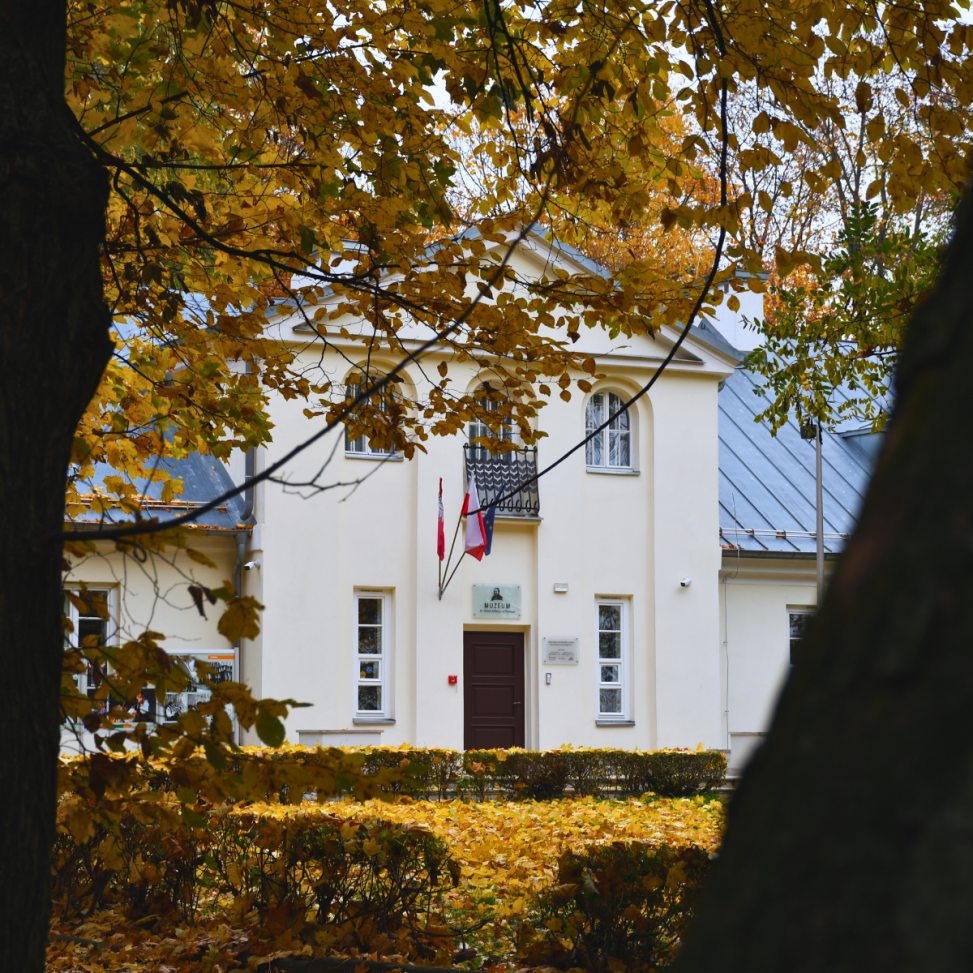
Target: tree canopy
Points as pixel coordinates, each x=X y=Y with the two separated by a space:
x=363 y=160
x=251 y=143
x=169 y=169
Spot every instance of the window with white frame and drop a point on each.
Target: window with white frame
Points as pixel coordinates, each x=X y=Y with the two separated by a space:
x=372 y=654
x=612 y=447
x=480 y=427
x=612 y=664
x=377 y=413
x=86 y=611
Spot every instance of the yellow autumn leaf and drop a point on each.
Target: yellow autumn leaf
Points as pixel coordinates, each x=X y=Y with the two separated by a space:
x=240 y=620
x=200 y=558
x=371 y=847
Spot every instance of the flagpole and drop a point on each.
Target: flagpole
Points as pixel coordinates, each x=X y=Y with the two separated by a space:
x=442 y=587
x=450 y=578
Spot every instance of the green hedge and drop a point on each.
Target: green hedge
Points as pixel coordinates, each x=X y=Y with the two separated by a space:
x=623 y=906
x=538 y=774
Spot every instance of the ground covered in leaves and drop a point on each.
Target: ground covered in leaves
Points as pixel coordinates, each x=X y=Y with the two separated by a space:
x=508 y=852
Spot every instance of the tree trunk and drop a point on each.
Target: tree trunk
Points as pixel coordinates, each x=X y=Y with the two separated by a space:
x=54 y=346
x=850 y=840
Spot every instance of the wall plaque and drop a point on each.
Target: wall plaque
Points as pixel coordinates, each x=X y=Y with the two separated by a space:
x=562 y=651
x=496 y=601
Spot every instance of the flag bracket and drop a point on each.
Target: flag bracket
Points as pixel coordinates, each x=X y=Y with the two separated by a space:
x=487 y=534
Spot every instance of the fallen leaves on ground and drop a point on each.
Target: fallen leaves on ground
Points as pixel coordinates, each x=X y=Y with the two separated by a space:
x=507 y=852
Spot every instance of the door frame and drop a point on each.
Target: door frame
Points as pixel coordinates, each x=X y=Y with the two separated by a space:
x=531 y=731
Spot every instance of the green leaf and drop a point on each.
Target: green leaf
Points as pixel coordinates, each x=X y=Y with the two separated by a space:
x=307 y=240
x=193 y=818
x=269 y=728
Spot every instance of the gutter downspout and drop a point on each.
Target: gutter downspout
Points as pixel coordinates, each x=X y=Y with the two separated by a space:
x=242 y=534
x=249 y=467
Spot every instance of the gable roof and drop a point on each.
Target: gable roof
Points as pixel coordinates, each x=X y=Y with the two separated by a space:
x=767 y=483
x=203 y=478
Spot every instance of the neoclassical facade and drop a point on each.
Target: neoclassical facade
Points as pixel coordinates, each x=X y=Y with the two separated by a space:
x=596 y=620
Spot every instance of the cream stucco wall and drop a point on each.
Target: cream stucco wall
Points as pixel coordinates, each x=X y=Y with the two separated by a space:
x=150 y=592
x=633 y=536
x=756 y=597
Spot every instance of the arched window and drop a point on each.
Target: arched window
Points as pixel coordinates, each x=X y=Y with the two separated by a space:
x=377 y=414
x=480 y=427
x=612 y=447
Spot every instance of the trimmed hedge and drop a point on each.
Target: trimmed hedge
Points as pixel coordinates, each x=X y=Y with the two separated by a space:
x=623 y=906
x=366 y=883
x=538 y=774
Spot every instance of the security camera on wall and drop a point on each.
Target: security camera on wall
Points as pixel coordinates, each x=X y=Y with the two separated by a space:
x=250 y=565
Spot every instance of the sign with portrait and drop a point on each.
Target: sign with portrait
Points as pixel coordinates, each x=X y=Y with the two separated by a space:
x=496 y=601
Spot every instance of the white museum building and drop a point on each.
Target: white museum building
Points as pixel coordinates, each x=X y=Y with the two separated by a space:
x=645 y=593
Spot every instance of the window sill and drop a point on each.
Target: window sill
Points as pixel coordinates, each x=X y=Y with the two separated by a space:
x=614 y=722
x=612 y=471
x=376 y=457
x=368 y=720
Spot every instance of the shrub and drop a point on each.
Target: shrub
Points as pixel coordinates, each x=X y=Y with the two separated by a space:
x=367 y=883
x=545 y=774
x=292 y=772
x=539 y=774
x=619 y=907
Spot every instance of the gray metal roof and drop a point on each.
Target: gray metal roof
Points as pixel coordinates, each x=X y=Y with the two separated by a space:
x=707 y=332
x=767 y=483
x=204 y=478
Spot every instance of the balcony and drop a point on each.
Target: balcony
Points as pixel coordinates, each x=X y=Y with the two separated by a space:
x=509 y=469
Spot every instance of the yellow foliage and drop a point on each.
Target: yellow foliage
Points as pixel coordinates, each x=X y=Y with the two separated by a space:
x=503 y=855
x=509 y=851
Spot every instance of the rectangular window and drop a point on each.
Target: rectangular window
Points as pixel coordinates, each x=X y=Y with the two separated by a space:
x=798 y=623
x=89 y=628
x=371 y=646
x=612 y=667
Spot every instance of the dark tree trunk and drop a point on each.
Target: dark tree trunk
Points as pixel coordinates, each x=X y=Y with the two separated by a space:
x=54 y=346
x=850 y=841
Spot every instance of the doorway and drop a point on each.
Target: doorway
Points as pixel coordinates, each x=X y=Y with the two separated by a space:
x=493 y=690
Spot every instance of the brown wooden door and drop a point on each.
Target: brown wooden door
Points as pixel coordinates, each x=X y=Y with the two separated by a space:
x=493 y=690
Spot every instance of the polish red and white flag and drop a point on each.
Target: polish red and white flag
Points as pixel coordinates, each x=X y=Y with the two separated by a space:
x=441 y=530
x=475 y=530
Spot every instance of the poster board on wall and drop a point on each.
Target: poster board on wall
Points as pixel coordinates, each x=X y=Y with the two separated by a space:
x=147 y=709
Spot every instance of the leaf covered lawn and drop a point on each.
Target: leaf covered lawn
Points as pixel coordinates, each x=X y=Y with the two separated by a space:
x=507 y=852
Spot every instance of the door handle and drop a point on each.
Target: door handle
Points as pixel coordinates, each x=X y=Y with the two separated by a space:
x=517 y=703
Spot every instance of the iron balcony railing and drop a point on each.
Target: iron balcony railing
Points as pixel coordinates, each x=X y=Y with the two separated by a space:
x=505 y=472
